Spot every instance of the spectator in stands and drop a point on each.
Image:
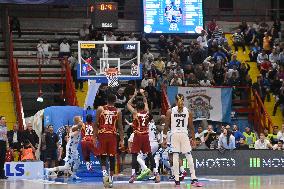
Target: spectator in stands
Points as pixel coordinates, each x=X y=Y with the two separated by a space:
x=15 y=138
x=147 y=59
x=4 y=145
x=217 y=33
x=243 y=26
x=110 y=36
x=262 y=143
x=28 y=151
x=160 y=64
x=79 y=83
x=242 y=145
x=192 y=81
x=278 y=28
x=51 y=147
x=278 y=146
x=267 y=43
x=176 y=81
x=274 y=57
x=250 y=36
x=84 y=33
x=220 y=55
x=209 y=135
x=30 y=135
x=153 y=72
x=238 y=135
x=200 y=145
x=254 y=52
x=43 y=51
x=200 y=134
x=261 y=57
x=238 y=40
x=279 y=100
x=43 y=146
x=250 y=137
x=281 y=58
x=219 y=74
x=120 y=99
x=145 y=81
x=280 y=134
x=152 y=94
x=198 y=54
x=226 y=140
x=144 y=45
x=273 y=136
x=202 y=41
x=211 y=27
x=15 y=25
x=243 y=73
x=162 y=45
x=205 y=82
x=64 y=49
x=234 y=62
x=100 y=99
x=262 y=87
x=265 y=67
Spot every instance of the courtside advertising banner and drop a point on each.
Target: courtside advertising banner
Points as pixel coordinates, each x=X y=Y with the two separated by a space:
x=213 y=104
x=24 y=170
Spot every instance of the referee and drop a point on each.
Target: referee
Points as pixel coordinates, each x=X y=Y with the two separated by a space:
x=3 y=146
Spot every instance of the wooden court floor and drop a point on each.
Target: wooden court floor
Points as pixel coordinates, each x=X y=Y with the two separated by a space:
x=211 y=182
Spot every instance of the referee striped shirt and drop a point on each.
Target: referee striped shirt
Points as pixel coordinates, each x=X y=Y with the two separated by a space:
x=217 y=34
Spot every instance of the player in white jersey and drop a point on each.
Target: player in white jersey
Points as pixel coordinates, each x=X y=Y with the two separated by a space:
x=72 y=159
x=179 y=120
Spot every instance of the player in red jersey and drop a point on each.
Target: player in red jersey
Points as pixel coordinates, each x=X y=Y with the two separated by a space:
x=108 y=120
x=88 y=141
x=141 y=142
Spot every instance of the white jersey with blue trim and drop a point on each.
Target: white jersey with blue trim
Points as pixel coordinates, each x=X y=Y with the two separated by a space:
x=153 y=133
x=179 y=120
x=73 y=142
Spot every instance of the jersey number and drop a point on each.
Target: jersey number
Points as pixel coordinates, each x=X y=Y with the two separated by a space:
x=180 y=122
x=108 y=120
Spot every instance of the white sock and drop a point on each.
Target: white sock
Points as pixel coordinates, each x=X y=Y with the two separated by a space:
x=141 y=162
x=176 y=166
x=191 y=165
x=133 y=172
x=181 y=169
x=110 y=178
x=172 y=170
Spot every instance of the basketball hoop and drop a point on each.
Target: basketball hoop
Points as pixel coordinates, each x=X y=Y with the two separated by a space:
x=111 y=74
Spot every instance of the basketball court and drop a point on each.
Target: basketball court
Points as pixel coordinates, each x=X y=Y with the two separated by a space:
x=212 y=182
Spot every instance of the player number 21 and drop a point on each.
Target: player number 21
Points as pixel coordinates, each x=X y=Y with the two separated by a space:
x=180 y=122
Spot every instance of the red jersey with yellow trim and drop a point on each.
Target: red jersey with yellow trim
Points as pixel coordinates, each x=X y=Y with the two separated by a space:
x=108 y=120
x=87 y=132
x=141 y=123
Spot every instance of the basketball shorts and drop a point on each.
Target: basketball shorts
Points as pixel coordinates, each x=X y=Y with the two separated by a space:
x=107 y=144
x=141 y=143
x=88 y=147
x=180 y=143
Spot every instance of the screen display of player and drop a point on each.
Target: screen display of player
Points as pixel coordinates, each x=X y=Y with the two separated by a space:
x=173 y=16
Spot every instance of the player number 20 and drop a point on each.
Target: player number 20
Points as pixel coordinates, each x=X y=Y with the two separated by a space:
x=180 y=122
x=108 y=120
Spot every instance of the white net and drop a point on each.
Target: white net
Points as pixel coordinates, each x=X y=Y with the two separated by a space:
x=111 y=74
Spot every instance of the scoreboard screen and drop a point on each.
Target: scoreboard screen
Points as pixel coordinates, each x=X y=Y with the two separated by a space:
x=173 y=16
x=104 y=15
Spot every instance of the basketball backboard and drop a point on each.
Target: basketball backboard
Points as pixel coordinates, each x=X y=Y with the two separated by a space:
x=96 y=57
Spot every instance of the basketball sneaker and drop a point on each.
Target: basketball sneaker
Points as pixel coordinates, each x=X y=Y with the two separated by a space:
x=177 y=183
x=143 y=174
x=110 y=184
x=182 y=175
x=132 y=178
x=172 y=177
x=195 y=182
x=157 y=178
x=50 y=173
x=106 y=181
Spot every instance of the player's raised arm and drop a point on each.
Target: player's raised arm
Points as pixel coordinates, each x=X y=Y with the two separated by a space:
x=130 y=103
x=120 y=129
x=96 y=124
x=145 y=101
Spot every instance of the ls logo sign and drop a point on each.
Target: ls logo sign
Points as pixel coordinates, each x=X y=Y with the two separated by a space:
x=12 y=171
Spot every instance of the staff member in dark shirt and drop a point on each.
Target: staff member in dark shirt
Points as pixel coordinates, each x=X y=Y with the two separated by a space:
x=3 y=145
x=30 y=134
x=51 y=140
x=15 y=138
